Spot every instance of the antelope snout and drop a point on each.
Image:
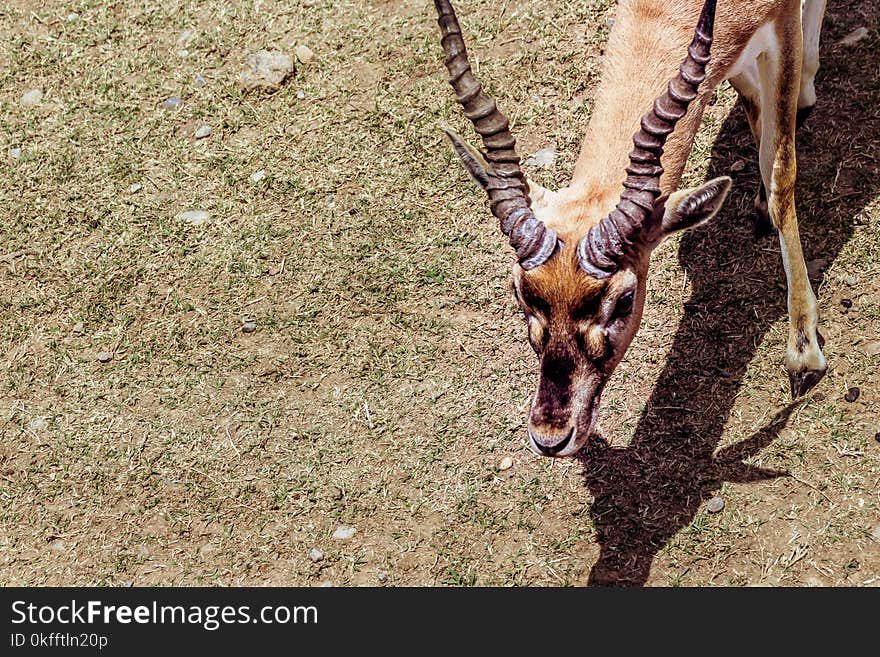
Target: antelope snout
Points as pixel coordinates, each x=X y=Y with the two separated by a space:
x=550 y=441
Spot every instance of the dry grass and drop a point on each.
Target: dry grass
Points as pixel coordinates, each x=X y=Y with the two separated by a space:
x=389 y=374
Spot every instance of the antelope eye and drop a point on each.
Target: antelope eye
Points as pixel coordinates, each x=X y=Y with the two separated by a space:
x=624 y=305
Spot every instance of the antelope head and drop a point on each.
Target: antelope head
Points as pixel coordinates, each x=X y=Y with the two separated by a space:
x=581 y=284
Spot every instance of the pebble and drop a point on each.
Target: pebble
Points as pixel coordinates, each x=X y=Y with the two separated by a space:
x=184 y=39
x=382 y=576
x=326 y=585
x=171 y=102
x=203 y=131
x=872 y=349
x=854 y=37
x=135 y=188
x=815 y=267
x=738 y=166
x=304 y=54
x=38 y=424
x=715 y=505
x=58 y=545
x=104 y=357
x=846 y=303
x=301 y=94
x=877 y=436
x=194 y=217
x=72 y=17
x=543 y=158
x=31 y=98
x=248 y=327
x=266 y=70
x=199 y=80
x=851 y=281
x=79 y=328
x=316 y=555
x=257 y=176
x=14 y=153
x=852 y=394
x=506 y=463
x=876 y=533
x=343 y=533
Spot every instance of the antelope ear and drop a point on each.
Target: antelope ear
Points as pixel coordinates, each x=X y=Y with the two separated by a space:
x=473 y=161
x=689 y=208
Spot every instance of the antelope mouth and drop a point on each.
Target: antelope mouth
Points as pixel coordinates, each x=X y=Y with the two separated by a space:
x=545 y=446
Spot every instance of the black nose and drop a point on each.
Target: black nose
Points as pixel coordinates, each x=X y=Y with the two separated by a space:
x=550 y=443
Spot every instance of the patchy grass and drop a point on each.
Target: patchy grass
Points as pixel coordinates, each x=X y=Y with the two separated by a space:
x=389 y=375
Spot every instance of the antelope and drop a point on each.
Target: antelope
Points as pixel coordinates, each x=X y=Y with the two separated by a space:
x=583 y=251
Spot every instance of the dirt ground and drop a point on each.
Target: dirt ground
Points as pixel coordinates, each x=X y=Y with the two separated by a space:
x=388 y=375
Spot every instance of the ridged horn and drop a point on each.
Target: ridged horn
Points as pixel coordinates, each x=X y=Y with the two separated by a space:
x=533 y=242
x=601 y=249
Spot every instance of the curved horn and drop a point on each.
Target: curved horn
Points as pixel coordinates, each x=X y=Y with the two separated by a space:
x=603 y=246
x=533 y=242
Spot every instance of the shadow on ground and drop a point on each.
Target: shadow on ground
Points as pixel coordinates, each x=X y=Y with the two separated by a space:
x=645 y=493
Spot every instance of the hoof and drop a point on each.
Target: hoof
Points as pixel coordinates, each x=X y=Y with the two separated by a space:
x=803 y=113
x=803 y=382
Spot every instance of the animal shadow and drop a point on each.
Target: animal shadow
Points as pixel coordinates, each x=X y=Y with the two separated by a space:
x=646 y=492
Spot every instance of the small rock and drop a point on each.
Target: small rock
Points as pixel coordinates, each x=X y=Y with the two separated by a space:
x=14 y=153
x=738 y=166
x=194 y=217
x=336 y=493
x=207 y=550
x=57 y=545
x=343 y=533
x=543 y=158
x=609 y=22
x=506 y=463
x=184 y=39
x=199 y=80
x=382 y=576
x=257 y=176
x=872 y=348
x=326 y=585
x=171 y=102
x=203 y=131
x=248 y=327
x=304 y=54
x=38 y=424
x=104 y=357
x=135 y=188
x=846 y=303
x=854 y=37
x=182 y=53
x=815 y=267
x=851 y=281
x=266 y=70
x=715 y=505
x=876 y=533
x=315 y=555
x=79 y=328
x=301 y=94
x=534 y=99
x=852 y=394
x=72 y=17
x=31 y=98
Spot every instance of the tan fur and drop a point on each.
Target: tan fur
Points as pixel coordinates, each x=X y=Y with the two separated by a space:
x=645 y=48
